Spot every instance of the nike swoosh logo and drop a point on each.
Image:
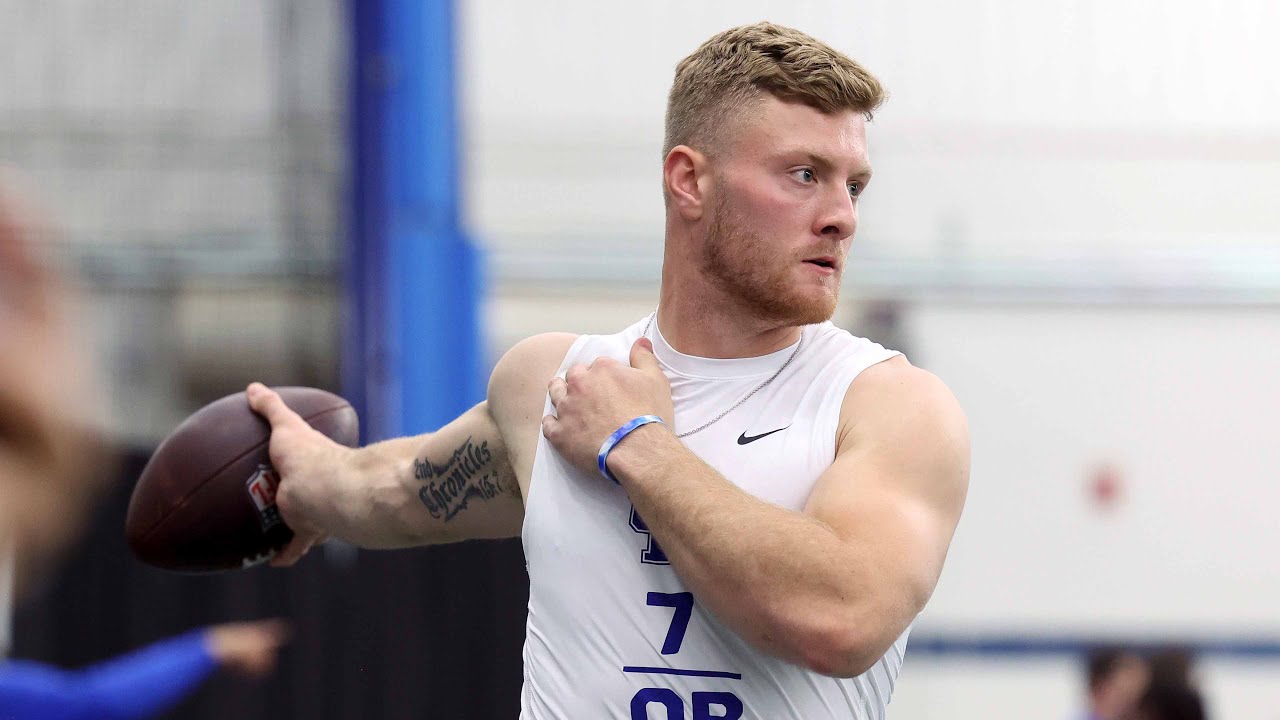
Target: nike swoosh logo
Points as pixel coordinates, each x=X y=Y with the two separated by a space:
x=743 y=439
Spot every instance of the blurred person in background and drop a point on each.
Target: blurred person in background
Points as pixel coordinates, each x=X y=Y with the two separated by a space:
x=1173 y=666
x=1170 y=701
x=52 y=465
x=1117 y=679
x=1174 y=690
x=51 y=470
x=732 y=504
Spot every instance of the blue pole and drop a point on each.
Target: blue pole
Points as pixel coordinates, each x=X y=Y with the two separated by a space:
x=413 y=347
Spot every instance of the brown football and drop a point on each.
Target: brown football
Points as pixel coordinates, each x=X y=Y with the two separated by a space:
x=206 y=499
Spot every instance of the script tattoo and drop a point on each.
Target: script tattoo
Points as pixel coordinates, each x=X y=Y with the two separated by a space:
x=451 y=485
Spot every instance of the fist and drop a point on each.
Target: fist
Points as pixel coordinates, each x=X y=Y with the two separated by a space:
x=309 y=465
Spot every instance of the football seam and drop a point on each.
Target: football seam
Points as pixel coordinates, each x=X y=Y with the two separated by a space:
x=204 y=483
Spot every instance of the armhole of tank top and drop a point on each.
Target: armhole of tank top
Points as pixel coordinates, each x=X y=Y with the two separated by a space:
x=572 y=353
x=833 y=402
x=568 y=358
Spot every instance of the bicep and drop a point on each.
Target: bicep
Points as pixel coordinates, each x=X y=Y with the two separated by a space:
x=456 y=483
x=518 y=395
x=897 y=486
x=464 y=480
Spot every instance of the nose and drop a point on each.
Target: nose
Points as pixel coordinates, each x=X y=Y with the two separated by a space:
x=838 y=219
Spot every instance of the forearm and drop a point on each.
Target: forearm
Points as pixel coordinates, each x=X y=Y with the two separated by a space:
x=781 y=579
x=136 y=685
x=450 y=485
x=373 y=504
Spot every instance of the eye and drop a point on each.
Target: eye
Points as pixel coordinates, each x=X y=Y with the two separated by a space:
x=855 y=189
x=804 y=175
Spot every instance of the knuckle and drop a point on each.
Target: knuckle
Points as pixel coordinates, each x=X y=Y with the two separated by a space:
x=284 y=505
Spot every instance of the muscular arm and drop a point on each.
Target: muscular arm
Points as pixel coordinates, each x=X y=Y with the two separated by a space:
x=461 y=482
x=831 y=587
x=454 y=484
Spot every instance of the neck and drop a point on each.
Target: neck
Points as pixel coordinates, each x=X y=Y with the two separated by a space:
x=699 y=320
x=697 y=317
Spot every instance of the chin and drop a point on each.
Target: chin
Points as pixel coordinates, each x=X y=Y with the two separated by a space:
x=813 y=313
x=798 y=308
x=810 y=305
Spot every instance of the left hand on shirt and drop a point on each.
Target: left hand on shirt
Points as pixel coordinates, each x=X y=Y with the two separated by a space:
x=592 y=401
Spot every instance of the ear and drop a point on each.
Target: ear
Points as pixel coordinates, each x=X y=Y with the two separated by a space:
x=684 y=173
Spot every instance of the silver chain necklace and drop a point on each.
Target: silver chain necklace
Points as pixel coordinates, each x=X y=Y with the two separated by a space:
x=746 y=397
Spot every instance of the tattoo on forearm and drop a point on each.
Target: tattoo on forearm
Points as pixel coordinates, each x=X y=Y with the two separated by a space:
x=465 y=475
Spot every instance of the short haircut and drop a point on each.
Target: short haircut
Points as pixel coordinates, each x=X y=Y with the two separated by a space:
x=730 y=72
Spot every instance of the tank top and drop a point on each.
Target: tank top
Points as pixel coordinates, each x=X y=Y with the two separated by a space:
x=612 y=632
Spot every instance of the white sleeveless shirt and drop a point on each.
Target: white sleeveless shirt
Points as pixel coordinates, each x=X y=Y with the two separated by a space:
x=612 y=631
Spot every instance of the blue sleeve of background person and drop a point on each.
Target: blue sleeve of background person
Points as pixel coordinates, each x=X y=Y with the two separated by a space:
x=138 y=685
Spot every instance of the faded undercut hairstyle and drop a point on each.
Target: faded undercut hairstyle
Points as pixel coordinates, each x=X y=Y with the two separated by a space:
x=729 y=72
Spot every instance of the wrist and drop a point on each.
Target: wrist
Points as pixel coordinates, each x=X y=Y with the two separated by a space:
x=639 y=450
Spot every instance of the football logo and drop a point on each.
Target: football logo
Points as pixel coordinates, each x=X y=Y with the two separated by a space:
x=262 y=490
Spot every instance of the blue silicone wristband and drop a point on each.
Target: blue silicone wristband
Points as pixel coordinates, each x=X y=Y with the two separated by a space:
x=616 y=438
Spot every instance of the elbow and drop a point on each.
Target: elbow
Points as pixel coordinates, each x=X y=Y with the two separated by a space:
x=831 y=635
x=845 y=641
x=840 y=653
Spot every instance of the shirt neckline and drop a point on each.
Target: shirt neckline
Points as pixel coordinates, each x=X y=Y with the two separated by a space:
x=716 y=368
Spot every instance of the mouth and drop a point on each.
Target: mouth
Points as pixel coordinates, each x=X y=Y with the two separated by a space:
x=825 y=261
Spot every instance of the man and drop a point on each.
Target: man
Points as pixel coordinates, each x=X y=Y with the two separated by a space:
x=777 y=495
x=48 y=462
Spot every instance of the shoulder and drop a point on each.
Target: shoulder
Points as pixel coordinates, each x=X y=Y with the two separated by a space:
x=519 y=382
x=527 y=367
x=518 y=392
x=895 y=401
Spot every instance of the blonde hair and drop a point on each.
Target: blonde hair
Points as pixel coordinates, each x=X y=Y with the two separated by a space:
x=729 y=72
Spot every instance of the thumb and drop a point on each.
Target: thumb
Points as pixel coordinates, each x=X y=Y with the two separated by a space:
x=268 y=403
x=642 y=357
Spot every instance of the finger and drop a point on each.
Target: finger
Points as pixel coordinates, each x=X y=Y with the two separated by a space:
x=277 y=630
x=642 y=357
x=549 y=425
x=575 y=373
x=268 y=403
x=290 y=554
x=558 y=389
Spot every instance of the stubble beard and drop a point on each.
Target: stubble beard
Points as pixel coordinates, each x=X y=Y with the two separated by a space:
x=739 y=263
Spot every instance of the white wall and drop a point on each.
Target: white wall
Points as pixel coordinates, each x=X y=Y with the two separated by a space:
x=1182 y=402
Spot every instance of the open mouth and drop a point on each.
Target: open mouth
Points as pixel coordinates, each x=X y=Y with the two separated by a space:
x=825 y=262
